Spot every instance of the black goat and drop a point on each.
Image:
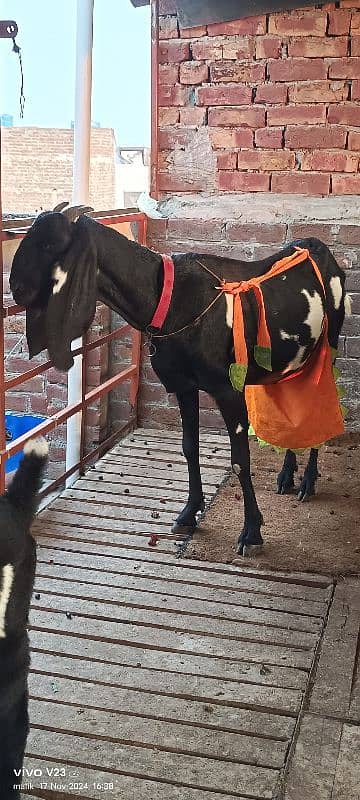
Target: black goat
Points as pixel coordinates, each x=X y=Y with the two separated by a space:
x=62 y=266
x=17 y=570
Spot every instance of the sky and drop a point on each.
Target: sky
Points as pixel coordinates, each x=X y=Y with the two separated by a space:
x=121 y=66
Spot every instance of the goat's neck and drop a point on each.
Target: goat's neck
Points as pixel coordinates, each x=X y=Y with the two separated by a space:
x=128 y=277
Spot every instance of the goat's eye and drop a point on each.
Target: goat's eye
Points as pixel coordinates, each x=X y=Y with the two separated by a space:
x=46 y=246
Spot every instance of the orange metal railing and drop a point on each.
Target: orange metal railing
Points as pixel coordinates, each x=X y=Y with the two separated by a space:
x=130 y=373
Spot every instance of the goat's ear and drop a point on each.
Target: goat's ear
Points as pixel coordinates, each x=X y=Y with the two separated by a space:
x=36 y=330
x=72 y=303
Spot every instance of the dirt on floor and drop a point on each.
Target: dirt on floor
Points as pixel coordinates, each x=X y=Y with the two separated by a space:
x=319 y=535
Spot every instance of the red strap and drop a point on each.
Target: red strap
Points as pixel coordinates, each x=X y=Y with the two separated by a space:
x=166 y=294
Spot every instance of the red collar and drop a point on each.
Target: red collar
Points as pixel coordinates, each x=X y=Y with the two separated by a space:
x=166 y=294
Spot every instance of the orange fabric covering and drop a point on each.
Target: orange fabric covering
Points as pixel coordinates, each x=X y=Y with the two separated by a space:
x=300 y=410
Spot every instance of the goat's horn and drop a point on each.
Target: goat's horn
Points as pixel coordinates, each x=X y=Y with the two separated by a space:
x=61 y=206
x=73 y=212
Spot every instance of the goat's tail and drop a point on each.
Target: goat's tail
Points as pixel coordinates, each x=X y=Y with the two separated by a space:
x=23 y=489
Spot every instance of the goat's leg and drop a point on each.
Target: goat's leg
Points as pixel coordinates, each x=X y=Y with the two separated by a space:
x=307 y=485
x=285 y=479
x=189 y=410
x=233 y=408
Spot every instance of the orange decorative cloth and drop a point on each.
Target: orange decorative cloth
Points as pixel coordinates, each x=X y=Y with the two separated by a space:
x=299 y=410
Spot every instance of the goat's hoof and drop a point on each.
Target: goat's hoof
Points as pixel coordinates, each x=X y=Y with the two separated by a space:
x=249 y=550
x=307 y=490
x=285 y=482
x=182 y=531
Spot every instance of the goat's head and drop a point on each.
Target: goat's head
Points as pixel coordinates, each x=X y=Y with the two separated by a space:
x=49 y=238
x=54 y=276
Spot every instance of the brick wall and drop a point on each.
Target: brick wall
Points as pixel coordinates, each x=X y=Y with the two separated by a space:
x=267 y=103
x=37 y=166
x=258 y=119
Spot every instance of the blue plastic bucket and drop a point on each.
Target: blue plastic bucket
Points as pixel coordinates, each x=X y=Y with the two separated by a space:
x=18 y=424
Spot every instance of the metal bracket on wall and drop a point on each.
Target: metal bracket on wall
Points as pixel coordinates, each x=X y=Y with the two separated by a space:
x=8 y=29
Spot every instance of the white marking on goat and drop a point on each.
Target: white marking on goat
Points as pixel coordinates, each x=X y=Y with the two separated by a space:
x=293 y=336
x=347 y=304
x=239 y=428
x=298 y=360
x=236 y=468
x=336 y=290
x=315 y=316
x=229 y=309
x=7 y=582
x=37 y=447
x=60 y=278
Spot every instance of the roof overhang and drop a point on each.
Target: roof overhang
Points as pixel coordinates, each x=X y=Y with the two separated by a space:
x=203 y=12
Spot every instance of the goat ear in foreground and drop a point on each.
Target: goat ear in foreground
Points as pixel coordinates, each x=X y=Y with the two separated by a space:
x=72 y=304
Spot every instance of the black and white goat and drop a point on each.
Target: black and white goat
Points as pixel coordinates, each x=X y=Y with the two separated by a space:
x=17 y=571
x=66 y=261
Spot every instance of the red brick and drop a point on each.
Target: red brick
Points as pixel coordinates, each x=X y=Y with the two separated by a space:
x=300 y=183
x=227 y=160
x=265 y=234
x=308 y=136
x=313 y=47
x=250 y=25
x=173 y=52
x=297 y=115
x=167 y=7
x=196 y=229
x=192 y=72
x=344 y=68
x=268 y=47
x=299 y=23
x=193 y=33
x=318 y=92
x=349 y=3
x=339 y=22
x=355 y=46
x=174 y=138
x=192 y=116
x=243 y=182
x=330 y=161
x=178 y=183
x=355 y=23
x=271 y=93
x=354 y=140
x=346 y=184
x=266 y=160
x=298 y=69
x=168 y=116
x=168 y=74
x=355 y=95
x=346 y=113
x=168 y=27
x=269 y=137
x=207 y=50
x=319 y=231
x=224 y=95
x=228 y=71
x=229 y=138
x=237 y=117
x=349 y=234
x=173 y=96
x=237 y=47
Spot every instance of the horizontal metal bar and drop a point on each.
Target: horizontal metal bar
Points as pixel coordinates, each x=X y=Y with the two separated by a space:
x=110 y=384
x=99 y=450
x=61 y=416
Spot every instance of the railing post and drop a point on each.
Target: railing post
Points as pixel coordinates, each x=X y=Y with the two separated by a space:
x=82 y=137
